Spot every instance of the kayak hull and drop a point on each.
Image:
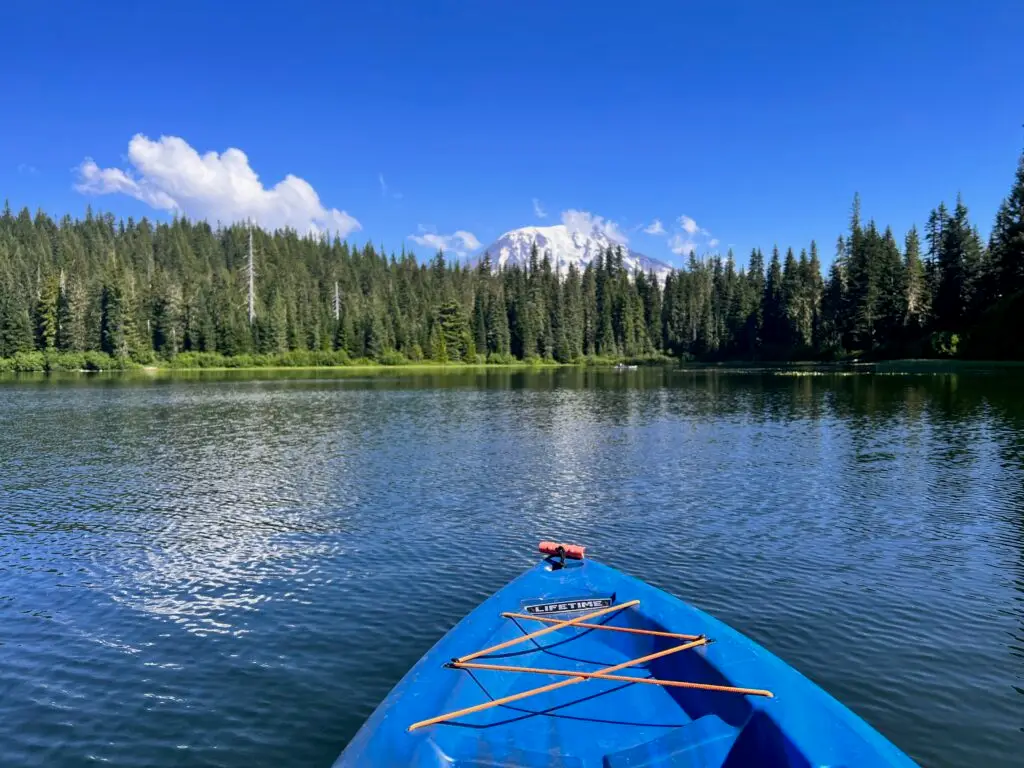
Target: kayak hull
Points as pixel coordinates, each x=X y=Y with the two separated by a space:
x=609 y=723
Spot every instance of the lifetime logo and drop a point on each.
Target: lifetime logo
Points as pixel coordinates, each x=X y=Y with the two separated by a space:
x=571 y=606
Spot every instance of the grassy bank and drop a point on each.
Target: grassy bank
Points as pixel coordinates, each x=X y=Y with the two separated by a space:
x=91 y=362
x=94 y=362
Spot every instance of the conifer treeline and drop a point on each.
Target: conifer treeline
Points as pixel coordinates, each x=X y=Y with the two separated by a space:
x=138 y=290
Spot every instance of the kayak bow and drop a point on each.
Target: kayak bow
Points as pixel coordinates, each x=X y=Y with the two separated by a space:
x=640 y=680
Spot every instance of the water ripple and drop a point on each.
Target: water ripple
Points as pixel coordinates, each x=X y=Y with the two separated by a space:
x=234 y=572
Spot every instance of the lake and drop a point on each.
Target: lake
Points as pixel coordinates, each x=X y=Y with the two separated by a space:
x=234 y=569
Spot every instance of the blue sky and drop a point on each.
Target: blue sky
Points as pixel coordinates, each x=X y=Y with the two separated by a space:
x=756 y=120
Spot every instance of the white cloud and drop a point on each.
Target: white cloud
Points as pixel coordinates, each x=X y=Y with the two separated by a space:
x=689 y=225
x=460 y=242
x=681 y=246
x=539 y=212
x=582 y=221
x=655 y=228
x=170 y=175
x=384 y=188
x=692 y=238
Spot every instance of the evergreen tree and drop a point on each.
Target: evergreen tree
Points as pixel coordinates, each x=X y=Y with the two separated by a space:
x=498 y=341
x=572 y=298
x=834 y=305
x=934 y=235
x=590 y=319
x=116 y=319
x=438 y=347
x=774 y=312
x=754 y=306
x=958 y=263
x=46 y=314
x=455 y=333
x=814 y=293
x=1007 y=241
x=796 y=326
x=892 y=286
x=72 y=315
x=918 y=300
x=135 y=288
x=480 y=320
x=15 y=324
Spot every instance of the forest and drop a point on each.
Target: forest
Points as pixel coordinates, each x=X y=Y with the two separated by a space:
x=100 y=292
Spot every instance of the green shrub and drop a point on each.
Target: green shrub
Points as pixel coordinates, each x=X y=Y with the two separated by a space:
x=333 y=357
x=64 y=361
x=29 y=362
x=392 y=357
x=198 y=360
x=239 y=361
x=945 y=344
x=95 y=361
x=499 y=358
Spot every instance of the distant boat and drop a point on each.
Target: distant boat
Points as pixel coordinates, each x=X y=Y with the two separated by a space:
x=585 y=667
x=624 y=367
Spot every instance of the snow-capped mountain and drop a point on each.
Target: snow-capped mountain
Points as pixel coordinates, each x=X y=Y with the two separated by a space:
x=566 y=247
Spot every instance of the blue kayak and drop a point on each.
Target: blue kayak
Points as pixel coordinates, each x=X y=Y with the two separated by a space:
x=576 y=664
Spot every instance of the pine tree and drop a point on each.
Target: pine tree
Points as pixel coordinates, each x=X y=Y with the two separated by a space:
x=376 y=343
x=834 y=304
x=116 y=330
x=498 y=341
x=454 y=329
x=958 y=263
x=167 y=327
x=862 y=273
x=774 y=316
x=590 y=319
x=438 y=347
x=135 y=287
x=918 y=300
x=934 y=235
x=72 y=315
x=796 y=326
x=15 y=324
x=46 y=313
x=892 y=301
x=572 y=298
x=1007 y=240
x=480 y=320
x=273 y=326
x=814 y=291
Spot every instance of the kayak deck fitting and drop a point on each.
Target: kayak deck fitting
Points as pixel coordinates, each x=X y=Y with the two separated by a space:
x=620 y=675
x=578 y=676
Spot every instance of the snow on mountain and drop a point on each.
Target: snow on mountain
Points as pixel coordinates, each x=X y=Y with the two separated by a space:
x=566 y=247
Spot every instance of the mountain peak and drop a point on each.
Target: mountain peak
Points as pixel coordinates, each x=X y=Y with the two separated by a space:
x=566 y=246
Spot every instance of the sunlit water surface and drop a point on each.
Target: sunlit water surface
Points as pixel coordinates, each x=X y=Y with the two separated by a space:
x=234 y=571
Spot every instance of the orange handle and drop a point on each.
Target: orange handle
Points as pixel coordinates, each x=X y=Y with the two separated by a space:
x=572 y=551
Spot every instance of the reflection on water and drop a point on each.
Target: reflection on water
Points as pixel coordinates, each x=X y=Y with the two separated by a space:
x=233 y=570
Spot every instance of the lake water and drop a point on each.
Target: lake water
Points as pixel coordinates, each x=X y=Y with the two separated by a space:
x=233 y=571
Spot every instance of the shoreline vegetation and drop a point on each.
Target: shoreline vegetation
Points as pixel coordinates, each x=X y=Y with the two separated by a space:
x=98 y=362
x=105 y=294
